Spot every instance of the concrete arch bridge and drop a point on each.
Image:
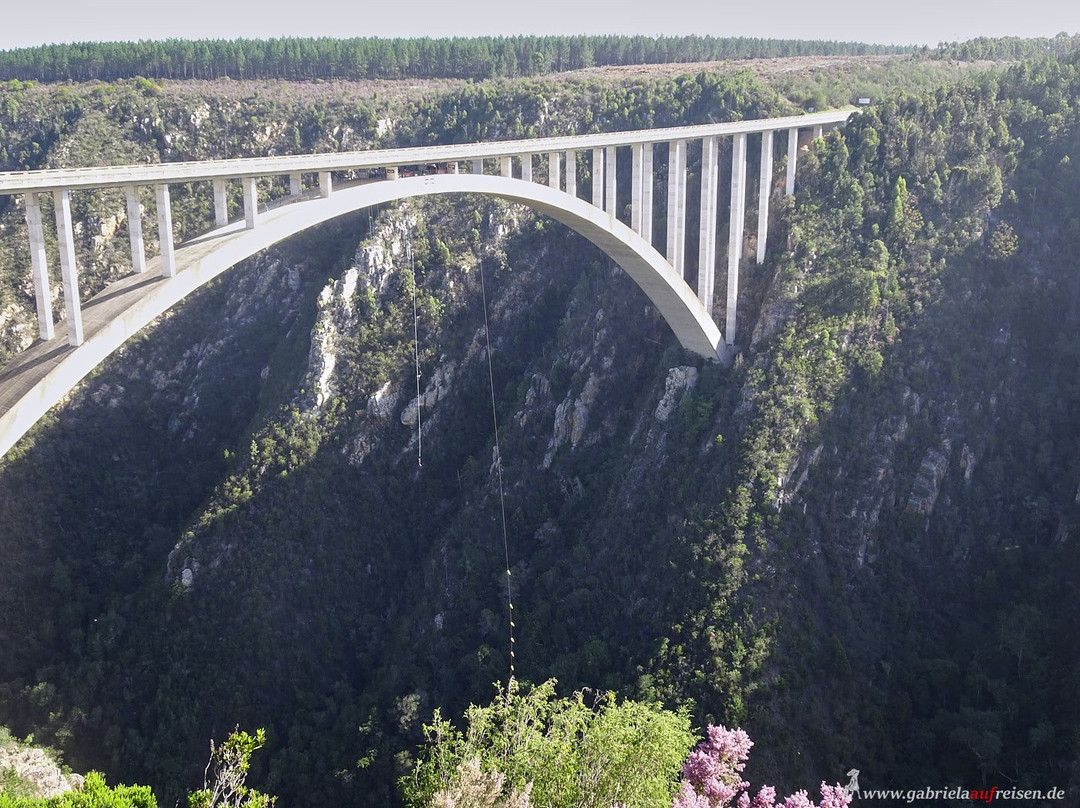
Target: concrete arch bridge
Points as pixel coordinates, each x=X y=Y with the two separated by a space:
x=65 y=352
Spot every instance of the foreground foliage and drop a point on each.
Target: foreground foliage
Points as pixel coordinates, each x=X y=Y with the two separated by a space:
x=530 y=747
x=712 y=778
x=95 y=793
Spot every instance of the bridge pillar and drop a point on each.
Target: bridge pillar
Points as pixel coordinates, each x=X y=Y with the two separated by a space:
x=819 y=131
x=553 y=170
x=598 y=178
x=478 y=166
x=251 y=203
x=68 y=268
x=571 y=172
x=764 y=189
x=165 y=233
x=221 y=203
x=135 y=233
x=735 y=230
x=710 y=181
x=676 y=204
x=326 y=184
x=609 y=182
x=506 y=166
x=39 y=262
x=296 y=184
x=526 y=167
x=792 y=157
x=637 y=154
x=646 y=191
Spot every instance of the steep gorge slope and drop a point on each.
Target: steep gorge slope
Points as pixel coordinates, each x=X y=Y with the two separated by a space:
x=855 y=543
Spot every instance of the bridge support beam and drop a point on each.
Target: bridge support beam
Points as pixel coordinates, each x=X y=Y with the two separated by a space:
x=39 y=262
x=735 y=231
x=598 y=178
x=647 y=192
x=676 y=205
x=326 y=184
x=135 y=233
x=571 y=172
x=478 y=166
x=526 y=167
x=710 y=180
x=553 y=170
x=609 y=182
x=792 y=158
x=764 y=189
x=68 y=268
x=296 y=184
x=506 y=166
x=221 y=203
x=819 y=131
x=165 y=233
x=251 y=203
x=637 y=153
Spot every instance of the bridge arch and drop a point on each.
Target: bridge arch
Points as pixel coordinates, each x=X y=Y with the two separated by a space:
x=202 y=259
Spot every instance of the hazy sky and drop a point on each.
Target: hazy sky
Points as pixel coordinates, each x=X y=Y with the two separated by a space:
x=901 y=22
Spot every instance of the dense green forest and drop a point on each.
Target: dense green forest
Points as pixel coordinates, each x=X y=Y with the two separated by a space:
x=856 y=542
x=296 y=58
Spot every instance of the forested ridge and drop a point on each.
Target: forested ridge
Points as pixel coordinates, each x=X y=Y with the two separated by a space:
x=859 y=543
x=305 y=58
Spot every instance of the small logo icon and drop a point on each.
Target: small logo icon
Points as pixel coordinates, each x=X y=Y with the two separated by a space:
x=853 y=783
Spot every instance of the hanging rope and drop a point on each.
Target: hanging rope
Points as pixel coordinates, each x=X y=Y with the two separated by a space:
x=416 y=356
x=498 y=468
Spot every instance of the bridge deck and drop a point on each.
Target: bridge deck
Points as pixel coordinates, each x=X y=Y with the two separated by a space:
x=31 y=366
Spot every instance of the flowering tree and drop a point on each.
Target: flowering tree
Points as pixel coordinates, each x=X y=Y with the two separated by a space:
x=712 y=778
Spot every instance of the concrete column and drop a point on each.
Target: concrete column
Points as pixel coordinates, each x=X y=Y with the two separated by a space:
x=609 y=181
x=296 y=184
x=506 y=166
x=598 y=178
x=452 y=167
x=165 y=232
x=735 y=230
x=251 y=203
x=135 y=233
x=478 y=166
x=40 y=265
x=571 y=172
x=646 y=192
x=819 y=131
x=553 y=170
x=792 y=157
x=526 y=167
x=326 y=184
x=221 y=204
x=68 y=269
x=676 y=204
x=636 y=152
x=710 y=179
x=764 y=189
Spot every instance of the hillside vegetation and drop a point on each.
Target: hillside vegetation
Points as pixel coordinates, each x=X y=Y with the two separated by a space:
x=855 y=543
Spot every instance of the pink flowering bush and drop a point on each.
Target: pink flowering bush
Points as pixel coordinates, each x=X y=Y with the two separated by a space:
x=712 y=778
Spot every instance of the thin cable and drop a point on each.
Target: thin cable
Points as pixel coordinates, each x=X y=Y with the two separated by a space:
x=498 y=467
x=416 y=355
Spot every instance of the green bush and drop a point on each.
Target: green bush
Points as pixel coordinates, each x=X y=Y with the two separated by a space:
x=556 y=751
